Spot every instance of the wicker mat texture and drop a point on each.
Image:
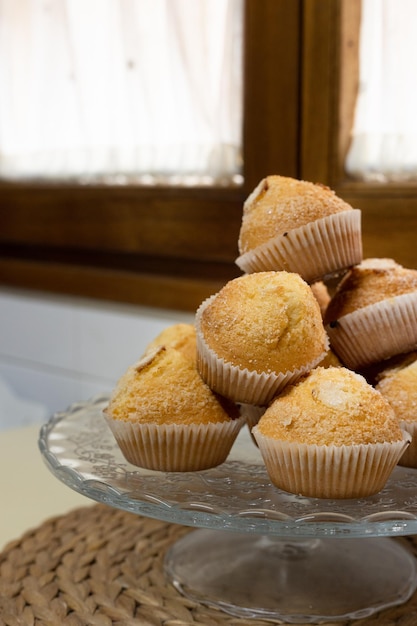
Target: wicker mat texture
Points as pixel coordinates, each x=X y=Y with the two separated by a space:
x=98 y=566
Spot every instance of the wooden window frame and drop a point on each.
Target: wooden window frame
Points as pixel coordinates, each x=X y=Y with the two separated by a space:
x=165 y=247
x=329 y=86
x=172 y=247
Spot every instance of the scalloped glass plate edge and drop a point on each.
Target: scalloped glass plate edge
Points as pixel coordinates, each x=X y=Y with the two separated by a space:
x=253 y=518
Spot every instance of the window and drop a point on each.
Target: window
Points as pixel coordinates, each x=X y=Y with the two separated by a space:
x=121 y=91
x=163 y=246
x=383 y=146
x=174 y=246
x=330 y=86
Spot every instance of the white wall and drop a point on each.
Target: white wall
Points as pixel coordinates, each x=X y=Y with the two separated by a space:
x=55 y=351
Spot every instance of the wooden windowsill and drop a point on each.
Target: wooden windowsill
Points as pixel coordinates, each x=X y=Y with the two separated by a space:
x=160 y=290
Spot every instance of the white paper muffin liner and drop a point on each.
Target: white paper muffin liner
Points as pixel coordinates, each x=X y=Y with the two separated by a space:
x=175 y=447
x=409 y=458
x=317 y=250
x=240 y=384
x=375 y=332
x=329 y=471
x=252 y=415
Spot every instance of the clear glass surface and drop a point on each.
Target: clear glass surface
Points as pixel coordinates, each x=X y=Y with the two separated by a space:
x=80 y=450
x=297 y=581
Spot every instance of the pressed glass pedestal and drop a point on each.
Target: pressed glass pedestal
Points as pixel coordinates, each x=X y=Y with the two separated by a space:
x=256 y=551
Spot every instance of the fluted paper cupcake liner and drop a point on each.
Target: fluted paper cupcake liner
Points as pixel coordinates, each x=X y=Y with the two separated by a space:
x=375 y=332
x=252 y=415
x=409 y=458
x=175 y=447
x=329 y=471
x=317 y=250
x=240 y=384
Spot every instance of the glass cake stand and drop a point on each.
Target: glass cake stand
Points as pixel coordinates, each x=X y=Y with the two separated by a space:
x=257 y=551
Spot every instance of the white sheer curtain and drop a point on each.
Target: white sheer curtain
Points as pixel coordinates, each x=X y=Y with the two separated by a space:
x=146 y=91
x=384 y=137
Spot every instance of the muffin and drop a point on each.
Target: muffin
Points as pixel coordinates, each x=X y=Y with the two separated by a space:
x=180 y=336
x=331 y=435
x=321 y=293
x=252 y=413
x=372 y=315
x=164 y=417
x=330 y=360
x=398 y=384
x=300 y=227
x=257 y=334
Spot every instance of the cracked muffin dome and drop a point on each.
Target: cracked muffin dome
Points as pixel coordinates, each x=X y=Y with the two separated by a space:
x=164 y=417
x=371 y=281
x=279 y=203
x=398 y=384
x=180 y=336
x=339 y=427
x=372 y=315
x=259 y=332
x=298 y=226
x=331 y=406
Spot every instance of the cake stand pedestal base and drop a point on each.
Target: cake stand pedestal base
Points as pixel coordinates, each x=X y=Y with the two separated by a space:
x=292 y=580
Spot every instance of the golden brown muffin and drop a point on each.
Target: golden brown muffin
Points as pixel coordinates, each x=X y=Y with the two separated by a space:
x=252 y=413
x=268 y=322
x=371 y=281
x=372 y=315
x=375 y=372
x=179 y=336
x=267 y=325
x=321 y=293
x=164 y=388
x=339 y=427
x=330 y=360
x=164 y=416
x=279 y=203
x=331 y=406
x=298 y=226
x=398 y=384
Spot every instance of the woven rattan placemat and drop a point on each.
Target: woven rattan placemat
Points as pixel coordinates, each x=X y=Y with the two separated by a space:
x=98 y=566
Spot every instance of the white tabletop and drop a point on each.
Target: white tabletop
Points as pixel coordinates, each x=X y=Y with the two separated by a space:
x=30 y=494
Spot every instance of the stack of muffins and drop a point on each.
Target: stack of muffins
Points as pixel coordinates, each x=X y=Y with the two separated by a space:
x=311 y=373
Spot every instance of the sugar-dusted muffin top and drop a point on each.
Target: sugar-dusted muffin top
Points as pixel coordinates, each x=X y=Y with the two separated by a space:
x=279 y=204
x=371 y=281
x=164 y=387
x=398 y=384
x=265 y=322
x=332 y=406
x=180 y=336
